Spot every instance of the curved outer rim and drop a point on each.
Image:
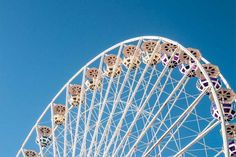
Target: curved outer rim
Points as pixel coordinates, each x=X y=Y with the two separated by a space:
x=224 y=137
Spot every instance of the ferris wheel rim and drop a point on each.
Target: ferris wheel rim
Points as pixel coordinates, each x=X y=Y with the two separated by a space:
x=199 y=65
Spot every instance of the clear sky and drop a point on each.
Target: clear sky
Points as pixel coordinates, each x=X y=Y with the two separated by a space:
x=44 y=42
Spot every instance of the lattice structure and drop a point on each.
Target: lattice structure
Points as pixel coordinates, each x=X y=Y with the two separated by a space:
x=146 y=96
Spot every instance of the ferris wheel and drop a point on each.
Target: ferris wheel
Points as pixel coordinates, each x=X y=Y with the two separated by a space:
x=146 y=96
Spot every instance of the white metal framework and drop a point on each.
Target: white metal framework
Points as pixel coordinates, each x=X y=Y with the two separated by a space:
x=146 y=96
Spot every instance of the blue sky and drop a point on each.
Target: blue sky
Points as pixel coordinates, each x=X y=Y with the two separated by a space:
x=43 y=43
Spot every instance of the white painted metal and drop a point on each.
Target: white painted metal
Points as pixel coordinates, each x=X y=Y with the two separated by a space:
x=78 y=117
x=130 y=100
x=188 y=110
x=197 y=138
x=66 y=126
x=158 y=113
x=98 y=147
x=116 y=101
x=83 y=146
x=39 y=145
x=103 y=105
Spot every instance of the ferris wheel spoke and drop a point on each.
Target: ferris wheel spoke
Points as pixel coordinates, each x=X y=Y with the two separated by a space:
x=178 y=132
x=124 y=146
x=133 y=81
x=70 y=128
x=138 y=114
x=157 y=103
x=198 y=125
x=68 y=145
x=153 y=135
x=76 y=132
x=149 y=82
x=173 y=80
x=147 y=85
x=103 y=105
x=119 y=125
x=163 y=119
x=87 y=121
x=131 y=99
x=159 y=111
x=199 y=117
x=169 y=111
x=78 y=119
x=188 y=110
x=39 y=144
x=200 y=135
x=172 y=135
x=136 y=110
x=170 y=108
x=53 y=133
x=114 y=108
x=128 y=132
x=162 y=91
x=201 y=149
x=116 y=101
x=47 y=149
x=58 y=149
x=174 y=151
x=101 y=102
x=208 y=147
x=65 y=129
x=219 y=153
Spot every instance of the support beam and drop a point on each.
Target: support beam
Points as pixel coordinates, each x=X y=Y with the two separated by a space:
x=201 y=135
x=39 y=144
x=116 y=101
x=218 y=154
x=104 y=103
x=159 y=111
x=169 y=110
x=139 y=113
x=188 y=110
x=116 y=133
x=172 y=135
x=53 y=131
x=86 y=129
x=127 y=133
x=78 y=117
x=66 y=126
